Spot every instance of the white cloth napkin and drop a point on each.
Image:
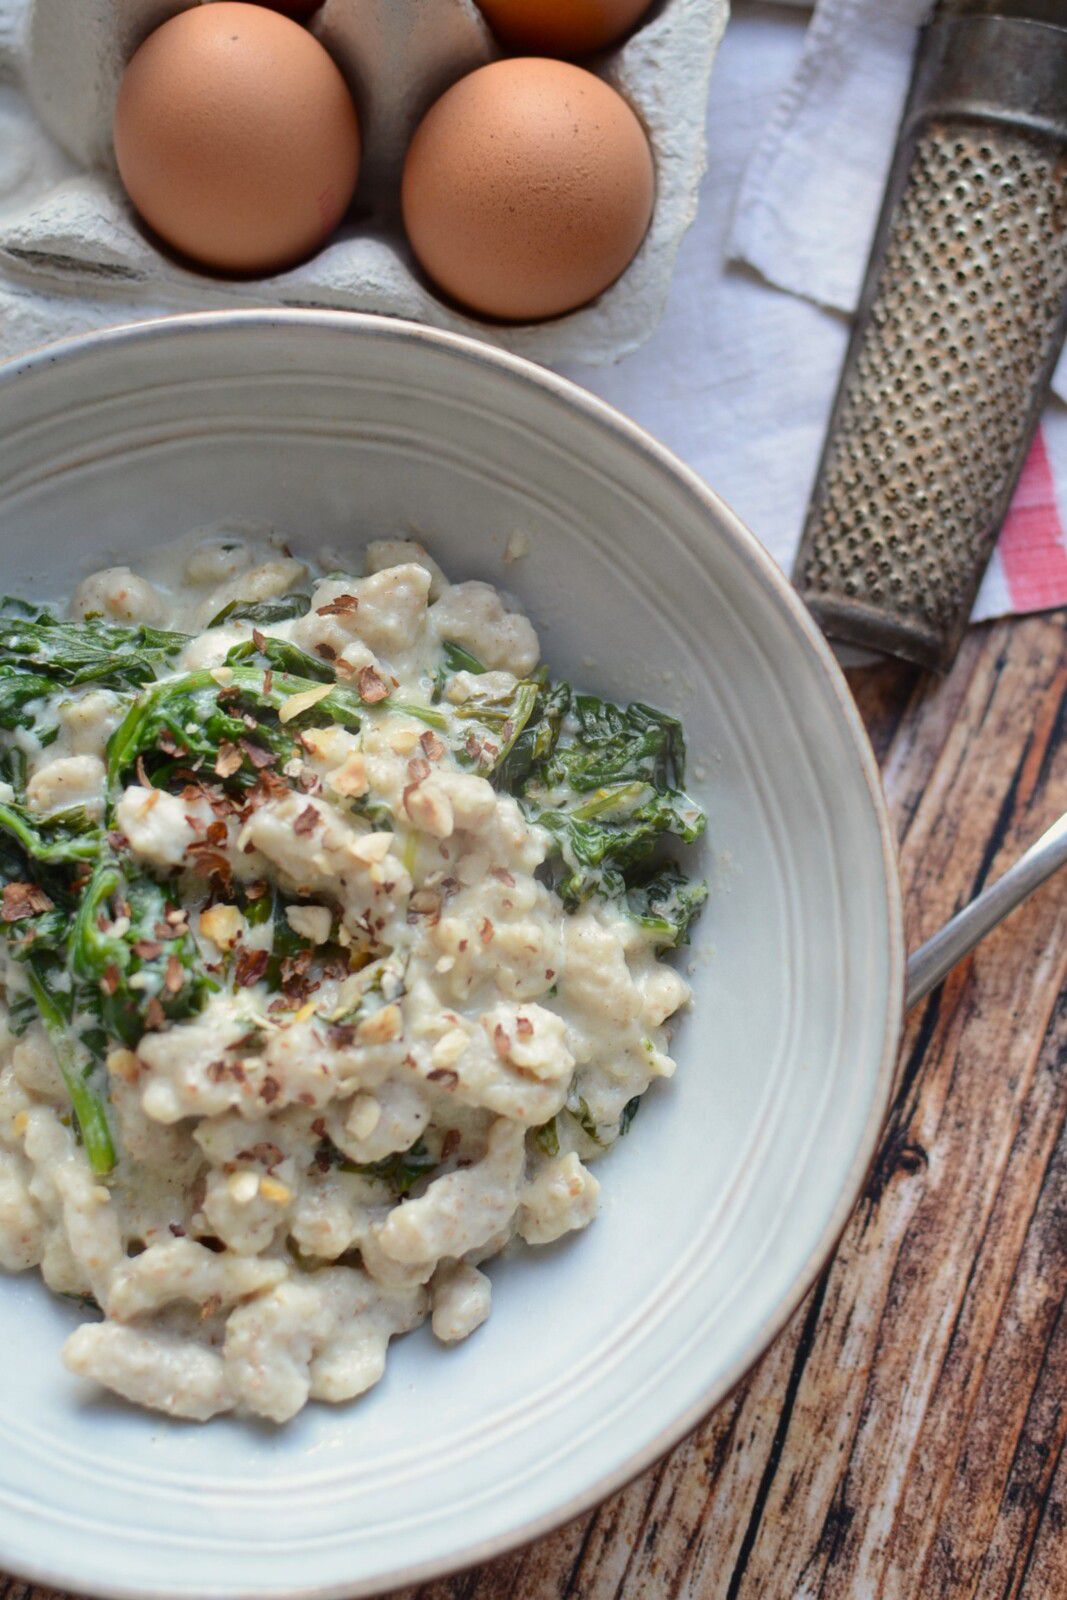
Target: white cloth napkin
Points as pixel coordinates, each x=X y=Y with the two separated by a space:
x=741 y=376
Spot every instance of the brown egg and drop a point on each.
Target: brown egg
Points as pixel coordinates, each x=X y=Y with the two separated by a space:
x=561 y=27
x=236 y=137
x=528 y=188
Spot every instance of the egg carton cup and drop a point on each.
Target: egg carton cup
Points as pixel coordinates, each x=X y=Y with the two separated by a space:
x=67 y=229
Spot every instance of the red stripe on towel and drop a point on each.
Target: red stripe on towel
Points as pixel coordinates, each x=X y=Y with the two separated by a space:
x=1032 y=548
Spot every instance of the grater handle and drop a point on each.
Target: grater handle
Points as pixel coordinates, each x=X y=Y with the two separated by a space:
x=961 y=320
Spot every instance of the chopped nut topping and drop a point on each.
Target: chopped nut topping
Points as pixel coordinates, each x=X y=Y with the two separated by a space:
x=229 y=760
x=211 y=862
x=382 y=1027
x=306 y=822
x=343 y=606
x=424 y=903
x=243 y=1187
x=429 y=808
x=448 y=1049
x=371 y=847
x=256 y=754
x=310 y=922
x=403 y=740
x=296 y=704
x=266 y=1152
x=251 y=965
x=350 y=779
x=279 y=1194
x=123 y=1064
x=223 y=925
x=371 y=686
x=22 y=900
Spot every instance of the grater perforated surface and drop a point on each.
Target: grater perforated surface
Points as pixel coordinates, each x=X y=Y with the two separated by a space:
x=937 y=401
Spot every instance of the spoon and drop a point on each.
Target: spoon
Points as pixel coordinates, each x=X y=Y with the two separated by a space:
x=936 y=958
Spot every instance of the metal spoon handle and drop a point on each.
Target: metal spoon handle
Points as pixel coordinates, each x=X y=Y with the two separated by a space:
x=933 y=960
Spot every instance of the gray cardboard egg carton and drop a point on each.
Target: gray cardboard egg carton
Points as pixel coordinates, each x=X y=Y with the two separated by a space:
x=66 y=229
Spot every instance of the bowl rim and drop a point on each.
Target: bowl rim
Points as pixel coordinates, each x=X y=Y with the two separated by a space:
x=768 y=574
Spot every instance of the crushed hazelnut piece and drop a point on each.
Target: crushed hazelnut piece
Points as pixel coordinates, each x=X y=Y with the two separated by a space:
x=229 y=760
x=123 y=1064
x=279 y=1194
x=298 y=703
x=242 y=1187
x=223 y=925
x=371 y=847
x=372 y=688
x=382 y=1027
x=349 y=779
x=23 y=900
x=448 y=1049
x=344 y=605
x=306 y=822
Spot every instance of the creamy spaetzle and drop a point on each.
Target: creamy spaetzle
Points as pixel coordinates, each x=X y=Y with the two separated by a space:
x=332 y=956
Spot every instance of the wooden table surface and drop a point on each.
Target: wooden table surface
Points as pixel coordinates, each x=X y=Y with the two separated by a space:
x=904 y=1438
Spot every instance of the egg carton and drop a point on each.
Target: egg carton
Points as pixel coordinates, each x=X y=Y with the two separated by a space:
x=68 y=229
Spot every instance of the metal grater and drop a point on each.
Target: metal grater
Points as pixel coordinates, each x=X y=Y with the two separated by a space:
x=962 y=317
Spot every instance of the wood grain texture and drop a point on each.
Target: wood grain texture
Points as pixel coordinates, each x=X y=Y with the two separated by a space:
x=905 y=1435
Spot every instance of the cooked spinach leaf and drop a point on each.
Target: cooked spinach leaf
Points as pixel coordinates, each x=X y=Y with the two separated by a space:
x=603 y=744
x=535 y=745
x=604 y=782
x=63 y=836
x=87 y=1103
x=546 y=1137
x=106 y=654
x=196 y=715
x=459 y=659
x=129 y=945
x=666 y=903
x=611 y=832
x=490 y=721
x=263 y=613
x=282 y=656
x=401 y=1171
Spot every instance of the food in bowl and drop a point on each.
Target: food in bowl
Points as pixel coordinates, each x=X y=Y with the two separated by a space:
x=332 y=955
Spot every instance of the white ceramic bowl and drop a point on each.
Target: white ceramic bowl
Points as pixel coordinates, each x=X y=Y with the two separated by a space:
x=726 y=1198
